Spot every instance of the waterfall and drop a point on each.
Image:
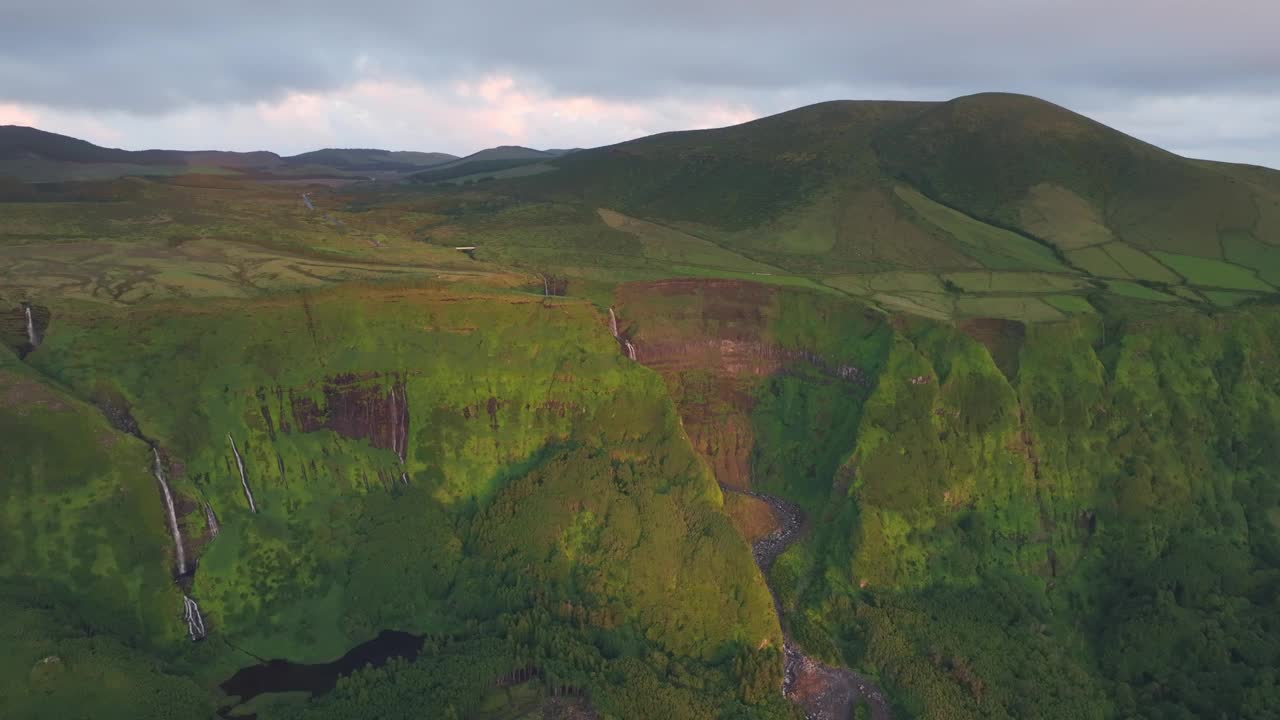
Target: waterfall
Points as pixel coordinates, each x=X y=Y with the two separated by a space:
x=626 y=344
x=195 y=621
x=179 y=551
x=546 y=286
x=31 y=327
x=211 y=520
x=248 y=494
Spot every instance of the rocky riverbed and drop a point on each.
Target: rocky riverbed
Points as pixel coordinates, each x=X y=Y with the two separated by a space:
x=822 y=692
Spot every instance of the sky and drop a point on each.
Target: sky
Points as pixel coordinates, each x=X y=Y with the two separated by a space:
x=1197 y=77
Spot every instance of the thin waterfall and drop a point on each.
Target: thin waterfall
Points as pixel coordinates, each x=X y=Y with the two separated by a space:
x=172 y=516
x=248 y=494
x=31 y=327
x=211 y=521
x=195 y=621
x=546 y=286
x=626 y=344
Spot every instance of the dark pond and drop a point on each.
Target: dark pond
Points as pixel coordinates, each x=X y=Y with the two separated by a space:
x=276 y=676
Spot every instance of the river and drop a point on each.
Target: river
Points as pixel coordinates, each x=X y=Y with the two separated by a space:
x=821 y=691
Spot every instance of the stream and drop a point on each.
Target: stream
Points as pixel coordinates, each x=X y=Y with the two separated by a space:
x=822 y=692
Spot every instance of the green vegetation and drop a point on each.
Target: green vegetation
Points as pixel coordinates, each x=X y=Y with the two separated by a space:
x=1018 y=370
x=1058 y=545
x=1139 y=292
x=993 y=247
x=1214 y=273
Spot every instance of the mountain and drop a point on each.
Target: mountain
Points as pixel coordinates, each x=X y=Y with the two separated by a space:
x=367 y=159
x=960 y=410
x=29 y=154
x=500 y=161
x=844 y=192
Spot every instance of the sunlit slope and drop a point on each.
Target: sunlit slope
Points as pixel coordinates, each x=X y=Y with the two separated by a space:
x=418 y=459
x=1055 y=213
x=81 y=517
x=1039 y=168
x=1006 y=521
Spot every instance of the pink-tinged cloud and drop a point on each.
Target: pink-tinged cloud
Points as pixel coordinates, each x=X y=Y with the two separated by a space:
x=505 y=109
x=394 y=113
x=11 y=114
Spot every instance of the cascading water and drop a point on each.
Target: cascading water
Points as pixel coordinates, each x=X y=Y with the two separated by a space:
x=625 y=343
x=546 y=286
x=172 y=516
x=211 y=521
x=195 y=621
x=248 y=494
x=32 y=337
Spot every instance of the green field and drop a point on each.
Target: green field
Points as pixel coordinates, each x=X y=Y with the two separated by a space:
x=1207 y=272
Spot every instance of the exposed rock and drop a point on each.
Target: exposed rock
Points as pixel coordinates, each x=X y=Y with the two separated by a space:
x=359 y=407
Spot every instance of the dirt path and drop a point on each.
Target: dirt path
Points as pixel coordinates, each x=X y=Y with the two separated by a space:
x=821 y=691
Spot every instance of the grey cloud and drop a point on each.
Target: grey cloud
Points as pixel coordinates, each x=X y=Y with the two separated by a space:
x=151 y=58
x=156 y=56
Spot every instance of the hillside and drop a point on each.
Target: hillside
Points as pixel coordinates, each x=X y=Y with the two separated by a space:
x=495 y=162
x=35 y=155
x=986 y=205
x=368 y=159
x=32 y=155
x=949 y=411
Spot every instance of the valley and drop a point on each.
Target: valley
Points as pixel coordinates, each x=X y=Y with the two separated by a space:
x=866 y=409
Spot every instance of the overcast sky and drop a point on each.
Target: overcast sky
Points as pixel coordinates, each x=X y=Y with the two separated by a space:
x=1200 y=77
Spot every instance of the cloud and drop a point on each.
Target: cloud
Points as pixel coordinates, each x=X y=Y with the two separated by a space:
x=149 y=68
x=461 y=118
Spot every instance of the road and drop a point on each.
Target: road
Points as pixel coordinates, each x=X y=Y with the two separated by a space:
x=822 y=692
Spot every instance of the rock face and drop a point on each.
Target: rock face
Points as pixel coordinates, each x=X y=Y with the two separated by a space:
x=359 y=407
x=713 y=342
x=822 y=692
x=23 y=328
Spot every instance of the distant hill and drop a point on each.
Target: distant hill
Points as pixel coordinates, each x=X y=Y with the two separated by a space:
x=33 y=155
x=370 y=159
x=491 y=161
x=909 y=182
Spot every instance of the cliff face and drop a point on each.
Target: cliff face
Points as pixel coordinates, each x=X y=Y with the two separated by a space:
x=730 y=351
x=323 y=432
x=373 y=408
x=1027 y=483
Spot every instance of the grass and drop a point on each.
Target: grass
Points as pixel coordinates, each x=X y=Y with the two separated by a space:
x=1026 y=309
x=559 y=505
x=1228 y=298
x=1214 y=273
x=1098 y=262
x=1070 y=304
x=1243 y=250
x=995 y=248
x=1133 y=290
x=1063 y=218
x=1139 y=265
x=676 y=248
x=1011 y=282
